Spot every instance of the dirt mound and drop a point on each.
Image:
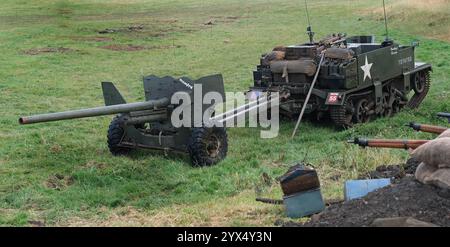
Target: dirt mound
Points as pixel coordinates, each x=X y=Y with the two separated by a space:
x=123 y=47
x=393 y=171
x=37 y=51
x=406 y=197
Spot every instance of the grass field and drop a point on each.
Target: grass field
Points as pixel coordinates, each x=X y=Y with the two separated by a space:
x=52 y=59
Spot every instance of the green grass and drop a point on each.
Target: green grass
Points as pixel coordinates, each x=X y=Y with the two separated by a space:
x=101 y=185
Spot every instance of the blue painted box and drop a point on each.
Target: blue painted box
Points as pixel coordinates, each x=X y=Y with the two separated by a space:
x=304 y=203
x=354 y=189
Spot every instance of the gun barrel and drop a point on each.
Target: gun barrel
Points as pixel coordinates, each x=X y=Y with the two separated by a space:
x=93 y=112
x=444 y=115
x=246 y=108
x=389 y=143
x=427 y=128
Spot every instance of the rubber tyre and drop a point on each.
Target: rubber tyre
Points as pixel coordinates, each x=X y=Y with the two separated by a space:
x=115 y=134
x=207 y=146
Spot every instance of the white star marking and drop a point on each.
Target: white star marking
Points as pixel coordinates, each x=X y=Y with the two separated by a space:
x=366 y=68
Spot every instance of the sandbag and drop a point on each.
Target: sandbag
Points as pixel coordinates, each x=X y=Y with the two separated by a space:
x=445 y=134
x=304 y=66
x=440 y=178
x=424 y=172
x=434 y=153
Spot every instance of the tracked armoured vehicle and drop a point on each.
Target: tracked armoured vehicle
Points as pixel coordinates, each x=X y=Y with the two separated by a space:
x=358 y=79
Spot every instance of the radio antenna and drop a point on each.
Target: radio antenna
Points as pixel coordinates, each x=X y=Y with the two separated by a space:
x=385 y=21
x=309 y=29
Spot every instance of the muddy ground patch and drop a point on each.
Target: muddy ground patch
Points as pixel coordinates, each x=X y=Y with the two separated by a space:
x=46 y=50
x=163 y=27
x=146 y=30
x=129 y=47
x=91 y=39
x=123 y=47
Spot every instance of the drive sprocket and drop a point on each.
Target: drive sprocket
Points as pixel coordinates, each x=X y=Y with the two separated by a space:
x=421 y=86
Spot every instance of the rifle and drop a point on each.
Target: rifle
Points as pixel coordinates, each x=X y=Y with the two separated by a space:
x=444 y=115
x=427 y=128
x=388 y=143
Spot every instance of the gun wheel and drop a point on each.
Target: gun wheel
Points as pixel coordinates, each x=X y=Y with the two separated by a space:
x=115 y=135
x=207 y=146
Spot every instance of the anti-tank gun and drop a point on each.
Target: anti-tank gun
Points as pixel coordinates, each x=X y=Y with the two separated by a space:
x=148 y=124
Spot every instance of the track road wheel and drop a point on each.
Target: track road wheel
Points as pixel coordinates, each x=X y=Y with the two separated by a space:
x=387 y=105
x=115 y=135
x=396 y=106
x=207 y=146
x=361 y=113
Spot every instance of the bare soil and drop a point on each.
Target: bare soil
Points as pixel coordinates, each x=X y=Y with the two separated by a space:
x=37 y=51
x=117 y=47
x=92 y=39
x=97 y=165
x=58 y=181
x=406 y=197
x=36 y=223
x=395 y=172
x=124 y=47
x=141 y=30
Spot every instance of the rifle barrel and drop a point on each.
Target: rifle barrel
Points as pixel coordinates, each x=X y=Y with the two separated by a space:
x=444 y=115
x=389 y=143
x=427 y=128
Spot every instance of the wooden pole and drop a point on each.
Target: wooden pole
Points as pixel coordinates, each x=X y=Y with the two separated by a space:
x=308 y=96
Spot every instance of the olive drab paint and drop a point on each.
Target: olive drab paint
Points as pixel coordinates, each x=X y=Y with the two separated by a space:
x=359 y=79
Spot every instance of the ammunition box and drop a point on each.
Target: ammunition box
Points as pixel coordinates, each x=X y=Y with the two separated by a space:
x=299 y=179
x=300 y=51
x=304 y=203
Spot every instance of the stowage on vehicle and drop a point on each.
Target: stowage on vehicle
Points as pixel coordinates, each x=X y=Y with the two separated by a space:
x=358 y=80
